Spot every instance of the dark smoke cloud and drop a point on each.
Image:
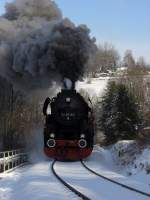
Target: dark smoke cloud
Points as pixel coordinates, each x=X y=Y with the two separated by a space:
x=38 y=46
x=72 y=51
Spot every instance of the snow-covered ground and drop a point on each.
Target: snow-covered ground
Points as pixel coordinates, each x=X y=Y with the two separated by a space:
x=94 y=87
x=123 y=162
x=36 y=181
x=102 y=161
x=95 y=187
x=132 y=160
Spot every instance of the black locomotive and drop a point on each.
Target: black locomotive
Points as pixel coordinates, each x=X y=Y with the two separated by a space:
x=68 y=131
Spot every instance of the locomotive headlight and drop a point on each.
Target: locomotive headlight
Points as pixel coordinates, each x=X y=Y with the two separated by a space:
x=51 y=143
x=68 y=100
x=52 y=135
x=82 y=143
x=82 y=136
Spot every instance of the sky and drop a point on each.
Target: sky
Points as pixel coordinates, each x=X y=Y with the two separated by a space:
x=123 y=23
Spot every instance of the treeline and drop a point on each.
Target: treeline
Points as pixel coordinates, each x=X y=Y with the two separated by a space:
x=17 y=117
x=107 y=59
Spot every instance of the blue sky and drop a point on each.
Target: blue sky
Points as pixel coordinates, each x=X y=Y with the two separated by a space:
x=124 y=23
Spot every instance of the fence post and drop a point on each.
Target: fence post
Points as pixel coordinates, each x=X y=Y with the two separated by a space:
x=4 y=167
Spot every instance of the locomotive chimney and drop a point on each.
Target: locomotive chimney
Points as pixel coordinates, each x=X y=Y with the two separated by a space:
x=68 y=84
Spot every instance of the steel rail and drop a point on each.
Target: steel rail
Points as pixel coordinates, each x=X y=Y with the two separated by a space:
x=115 y=182
x=72 y=189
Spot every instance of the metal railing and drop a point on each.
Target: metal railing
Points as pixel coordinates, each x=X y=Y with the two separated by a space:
x=10 y=160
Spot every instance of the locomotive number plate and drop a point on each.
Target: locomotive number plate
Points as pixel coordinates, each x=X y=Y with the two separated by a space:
x=68 y=114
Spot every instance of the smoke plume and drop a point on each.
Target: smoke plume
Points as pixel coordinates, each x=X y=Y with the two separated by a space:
x=39 y=46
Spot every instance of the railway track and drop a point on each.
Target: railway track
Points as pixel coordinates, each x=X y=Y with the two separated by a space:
x=72 y=189
x=84 y=197
x=115 y=182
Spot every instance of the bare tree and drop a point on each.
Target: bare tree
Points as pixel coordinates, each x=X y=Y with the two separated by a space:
x=106 y=58
x=19 y=115
x=128 y=60
x=5 y=108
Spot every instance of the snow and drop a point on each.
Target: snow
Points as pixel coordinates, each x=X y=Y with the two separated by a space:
x=102 y=162
x=91 y=185
x=36 y=181
x=94 y=88
x=132 y=159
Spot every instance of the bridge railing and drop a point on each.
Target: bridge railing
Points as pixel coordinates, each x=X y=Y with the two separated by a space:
x=9 y=160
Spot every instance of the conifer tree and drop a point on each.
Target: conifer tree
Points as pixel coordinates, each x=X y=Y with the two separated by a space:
x=120 y=118
x=106 y=109
x=126 y=118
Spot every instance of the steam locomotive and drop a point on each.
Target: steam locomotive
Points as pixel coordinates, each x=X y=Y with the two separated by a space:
x=68 y=131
